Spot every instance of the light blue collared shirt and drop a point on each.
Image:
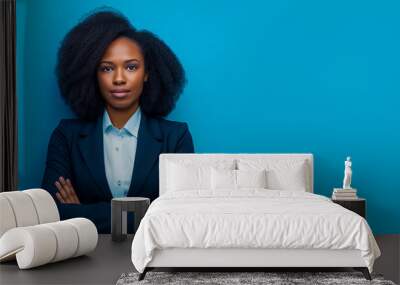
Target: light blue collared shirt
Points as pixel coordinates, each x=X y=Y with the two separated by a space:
x=119 y=152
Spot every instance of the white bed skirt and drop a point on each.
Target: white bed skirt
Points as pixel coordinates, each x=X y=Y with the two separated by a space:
x=193 y=257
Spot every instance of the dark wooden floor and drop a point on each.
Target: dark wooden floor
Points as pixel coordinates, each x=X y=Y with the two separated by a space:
x=104 y=266
x=389 y=262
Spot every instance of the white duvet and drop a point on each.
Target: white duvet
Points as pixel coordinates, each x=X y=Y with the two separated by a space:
x=250 y=218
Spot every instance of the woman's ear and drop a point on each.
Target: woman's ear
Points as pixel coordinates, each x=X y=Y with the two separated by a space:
x=146 y=77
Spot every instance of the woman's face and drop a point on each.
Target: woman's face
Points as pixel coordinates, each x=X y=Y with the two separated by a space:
x=121 y=75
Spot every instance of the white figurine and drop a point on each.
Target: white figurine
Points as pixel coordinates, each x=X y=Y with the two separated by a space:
x=347 y=173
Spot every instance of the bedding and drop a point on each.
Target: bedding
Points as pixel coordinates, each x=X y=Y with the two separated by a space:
x=250 y=218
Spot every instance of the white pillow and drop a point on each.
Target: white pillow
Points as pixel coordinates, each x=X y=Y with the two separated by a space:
x=188 y=175
x=237 y=179
x=282 y=174
x=223 y=179
x=251 y=178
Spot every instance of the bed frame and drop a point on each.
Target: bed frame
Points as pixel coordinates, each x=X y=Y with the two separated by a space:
x=245 y=259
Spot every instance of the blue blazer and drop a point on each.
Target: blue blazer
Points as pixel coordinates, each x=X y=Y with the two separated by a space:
x=76 y=152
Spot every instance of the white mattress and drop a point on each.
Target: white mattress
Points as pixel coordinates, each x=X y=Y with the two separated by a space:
x=251 y=218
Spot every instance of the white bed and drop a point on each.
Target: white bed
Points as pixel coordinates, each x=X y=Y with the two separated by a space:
x=202 y=220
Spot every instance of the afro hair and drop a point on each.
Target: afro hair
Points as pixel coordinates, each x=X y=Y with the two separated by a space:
x=82 y=49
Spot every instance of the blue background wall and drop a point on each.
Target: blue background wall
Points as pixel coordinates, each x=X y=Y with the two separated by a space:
x=263 y=76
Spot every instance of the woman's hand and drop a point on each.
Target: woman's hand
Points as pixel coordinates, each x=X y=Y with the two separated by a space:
x=66 y=193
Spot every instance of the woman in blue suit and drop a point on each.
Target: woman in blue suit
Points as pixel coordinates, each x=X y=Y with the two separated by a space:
x=120 y=82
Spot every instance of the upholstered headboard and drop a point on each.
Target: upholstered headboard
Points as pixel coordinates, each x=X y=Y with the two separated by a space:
x=270 y=159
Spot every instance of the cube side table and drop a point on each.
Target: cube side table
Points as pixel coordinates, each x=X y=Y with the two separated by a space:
x=119 y=209
x=357 y=205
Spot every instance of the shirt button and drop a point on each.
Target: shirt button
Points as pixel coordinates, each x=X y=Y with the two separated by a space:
x=117 y=148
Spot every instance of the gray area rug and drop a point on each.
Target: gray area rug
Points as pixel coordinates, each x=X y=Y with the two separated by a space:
x=228 y=278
